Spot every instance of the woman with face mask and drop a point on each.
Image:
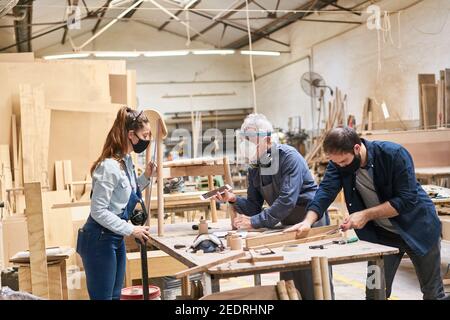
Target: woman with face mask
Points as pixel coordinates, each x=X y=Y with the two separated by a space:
x=115 y=192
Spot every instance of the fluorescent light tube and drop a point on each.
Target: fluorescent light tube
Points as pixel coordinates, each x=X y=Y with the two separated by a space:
x=204 y=52
x=119 y=54
x=67 y=56
x=260 y=53
x=166 y=53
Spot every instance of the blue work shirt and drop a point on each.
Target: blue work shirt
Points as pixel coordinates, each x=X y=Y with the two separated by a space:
x=395 y=181
x=296 y=187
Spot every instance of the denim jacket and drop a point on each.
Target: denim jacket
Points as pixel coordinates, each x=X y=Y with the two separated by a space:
x=111 y=191
x=395 y=181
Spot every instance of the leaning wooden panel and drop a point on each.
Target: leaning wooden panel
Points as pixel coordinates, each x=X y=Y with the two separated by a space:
x=159 y=133
x=35 y=126
x=36 y=238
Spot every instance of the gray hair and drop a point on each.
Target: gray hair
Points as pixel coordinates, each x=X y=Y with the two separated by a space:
x=258 y=122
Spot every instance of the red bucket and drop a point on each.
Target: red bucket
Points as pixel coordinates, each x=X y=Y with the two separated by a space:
x=136 y=293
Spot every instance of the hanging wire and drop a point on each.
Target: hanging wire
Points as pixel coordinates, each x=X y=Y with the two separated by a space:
x=250 y=46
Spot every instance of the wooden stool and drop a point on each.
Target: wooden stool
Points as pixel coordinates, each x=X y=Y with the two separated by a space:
x=57 y=278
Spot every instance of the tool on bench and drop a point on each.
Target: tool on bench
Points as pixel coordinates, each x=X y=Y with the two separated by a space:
x=340 y=242
x=208 y=243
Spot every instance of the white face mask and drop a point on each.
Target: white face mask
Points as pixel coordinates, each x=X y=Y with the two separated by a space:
x=248 y=150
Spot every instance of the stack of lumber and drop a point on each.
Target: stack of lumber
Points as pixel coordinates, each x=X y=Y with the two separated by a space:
x=434 y=99
x=52 y=111
x=336 y=117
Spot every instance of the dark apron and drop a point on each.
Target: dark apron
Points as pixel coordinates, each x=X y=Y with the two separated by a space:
x=297 y=214
x=302 y=278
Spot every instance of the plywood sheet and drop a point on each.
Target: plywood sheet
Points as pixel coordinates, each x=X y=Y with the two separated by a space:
x=35 y=127
x=78 y=136
x=17 y=57
x=36 y=239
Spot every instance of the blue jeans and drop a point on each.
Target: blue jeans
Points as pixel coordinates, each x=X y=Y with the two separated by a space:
x=104 y=259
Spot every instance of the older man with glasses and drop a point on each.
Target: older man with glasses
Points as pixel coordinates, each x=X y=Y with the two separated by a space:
x=278 y=175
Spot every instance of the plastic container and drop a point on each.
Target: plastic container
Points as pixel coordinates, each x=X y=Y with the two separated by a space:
x=136 y=293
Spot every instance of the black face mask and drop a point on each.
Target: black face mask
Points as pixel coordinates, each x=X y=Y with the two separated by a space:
x=352 y=167
x=141 y=145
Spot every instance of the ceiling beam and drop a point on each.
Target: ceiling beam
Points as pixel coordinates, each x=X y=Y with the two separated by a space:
x=281 y=22
x=132 y=12
x=161 y=27
x=235 y=26
x=102 y=14
x=224 y=17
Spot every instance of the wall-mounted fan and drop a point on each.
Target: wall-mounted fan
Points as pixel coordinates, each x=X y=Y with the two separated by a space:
x=312 y=84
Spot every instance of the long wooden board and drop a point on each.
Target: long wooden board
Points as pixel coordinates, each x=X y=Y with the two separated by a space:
x=35 y=127
x=286 y=236
x=36 y=238
x=430 y=105
x=447 y=96
x=204 y=267
x=424 y=79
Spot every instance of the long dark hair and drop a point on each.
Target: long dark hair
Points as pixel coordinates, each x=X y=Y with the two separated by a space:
x=117 y=140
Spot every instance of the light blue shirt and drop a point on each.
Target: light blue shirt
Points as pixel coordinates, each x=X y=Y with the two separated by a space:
x=111 y=191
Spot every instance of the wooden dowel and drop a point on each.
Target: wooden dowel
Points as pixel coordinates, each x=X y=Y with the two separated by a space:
x=281 y=289
x=291 y=290
x=317 y=278
x=160 y=182
x=212 y=201
x=325 y=273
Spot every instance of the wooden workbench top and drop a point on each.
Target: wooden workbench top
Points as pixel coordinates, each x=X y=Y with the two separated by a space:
x=336 y=254
x=182 y=233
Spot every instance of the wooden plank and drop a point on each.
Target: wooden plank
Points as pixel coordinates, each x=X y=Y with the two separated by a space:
x=286 y=236
x=59 y=175
x=67 y=167
x=447 y=96
x=297 y=241
x=212 y=202
x=55 y=282
x=420 y=143
x=35 y=126
x=195 y=171
x=430 y=105
x=14 y=147
x=160 y=265
x=440 y=101
x=424 y=79
x=36 y=238
x=206 y=266
x=25 y=279
x=261 y=259
x=260 y=293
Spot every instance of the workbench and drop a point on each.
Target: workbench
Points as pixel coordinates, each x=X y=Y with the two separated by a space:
x=183 y=234
x=432 y=175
